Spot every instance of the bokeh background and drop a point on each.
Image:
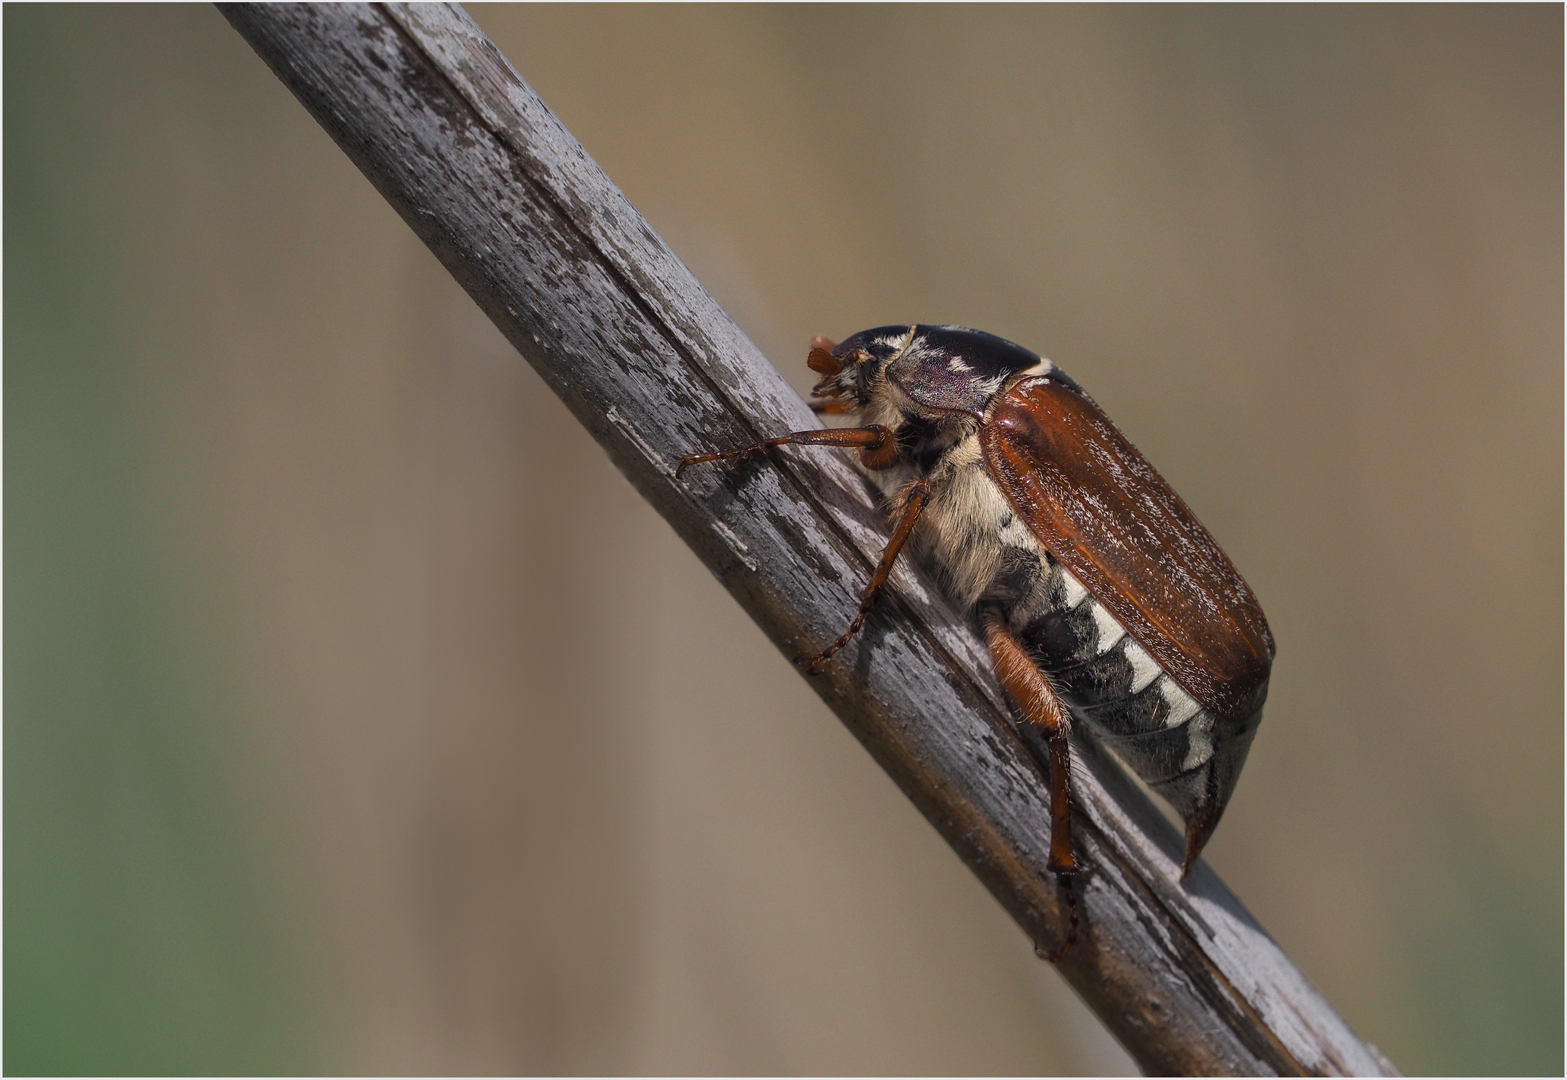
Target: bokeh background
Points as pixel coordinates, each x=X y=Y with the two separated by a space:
x=360 y=718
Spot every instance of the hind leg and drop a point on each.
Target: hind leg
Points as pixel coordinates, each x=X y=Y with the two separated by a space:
x=1042 y=706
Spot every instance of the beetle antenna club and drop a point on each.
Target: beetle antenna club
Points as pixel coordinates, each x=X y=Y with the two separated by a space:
x=1105 y=603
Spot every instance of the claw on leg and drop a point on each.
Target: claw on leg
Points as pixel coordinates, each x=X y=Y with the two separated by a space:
x=1069 y=883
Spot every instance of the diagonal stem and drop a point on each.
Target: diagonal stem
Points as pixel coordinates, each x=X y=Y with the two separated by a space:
x=453 y=138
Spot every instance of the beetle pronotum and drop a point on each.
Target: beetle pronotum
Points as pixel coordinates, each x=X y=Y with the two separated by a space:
x=1102 y=598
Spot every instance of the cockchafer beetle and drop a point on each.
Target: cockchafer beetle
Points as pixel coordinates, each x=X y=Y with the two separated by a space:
x=1102 y=598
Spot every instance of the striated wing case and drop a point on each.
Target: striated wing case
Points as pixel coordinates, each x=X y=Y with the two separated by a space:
x=1095 y=503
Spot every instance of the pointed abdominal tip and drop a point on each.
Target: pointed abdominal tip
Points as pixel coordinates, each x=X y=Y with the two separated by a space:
x=1198 y=830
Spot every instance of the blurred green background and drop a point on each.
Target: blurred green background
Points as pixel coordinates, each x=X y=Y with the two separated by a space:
x=360 y=718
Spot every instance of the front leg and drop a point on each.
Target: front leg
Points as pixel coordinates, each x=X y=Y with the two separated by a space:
x=878 y=446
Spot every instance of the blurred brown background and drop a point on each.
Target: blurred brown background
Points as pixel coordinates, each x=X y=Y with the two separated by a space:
x=359 y=717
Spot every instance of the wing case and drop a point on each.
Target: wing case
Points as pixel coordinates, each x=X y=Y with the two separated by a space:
x=1095 y=503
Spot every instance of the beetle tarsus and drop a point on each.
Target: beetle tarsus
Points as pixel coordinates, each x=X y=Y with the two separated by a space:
x=870 y=439
x=728 y=455
x=914 y=501
x=1069 y=883
x=814 y=664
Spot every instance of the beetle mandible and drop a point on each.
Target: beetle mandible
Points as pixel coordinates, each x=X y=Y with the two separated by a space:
x=1104 y=601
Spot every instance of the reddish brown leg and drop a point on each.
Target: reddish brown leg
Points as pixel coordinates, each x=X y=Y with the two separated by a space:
x=1043 y=707
x=869 y=438
x=834 y=407
x=912 y=505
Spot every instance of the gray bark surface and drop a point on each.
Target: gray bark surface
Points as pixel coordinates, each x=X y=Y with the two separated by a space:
x=489 y=179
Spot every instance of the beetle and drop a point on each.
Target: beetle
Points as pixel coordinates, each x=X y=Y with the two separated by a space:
x=1104 y=601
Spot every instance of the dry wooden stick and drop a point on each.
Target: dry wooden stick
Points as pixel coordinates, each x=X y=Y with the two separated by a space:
x=448 y=132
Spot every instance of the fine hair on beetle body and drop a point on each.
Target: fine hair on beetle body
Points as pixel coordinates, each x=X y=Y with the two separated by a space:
x=1105 y=603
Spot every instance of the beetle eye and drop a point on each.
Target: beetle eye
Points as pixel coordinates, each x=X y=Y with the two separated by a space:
x=823 y=362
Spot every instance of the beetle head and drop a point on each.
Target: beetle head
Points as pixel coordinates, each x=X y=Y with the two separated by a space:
x=850 y=371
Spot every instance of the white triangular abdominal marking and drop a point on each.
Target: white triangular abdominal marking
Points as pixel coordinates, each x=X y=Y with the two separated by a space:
x=1110 y=631
x=1199 y=742
x=1181 y=705
x=1145 y=669
x=1075 y=590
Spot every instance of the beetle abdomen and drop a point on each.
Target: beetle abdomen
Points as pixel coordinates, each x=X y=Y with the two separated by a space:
x=1133 y=706
x=984 y=554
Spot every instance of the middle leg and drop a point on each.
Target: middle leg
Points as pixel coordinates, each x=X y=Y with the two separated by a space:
x=914 y=502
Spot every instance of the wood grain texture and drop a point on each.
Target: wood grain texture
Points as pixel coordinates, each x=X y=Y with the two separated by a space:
x=552 y=251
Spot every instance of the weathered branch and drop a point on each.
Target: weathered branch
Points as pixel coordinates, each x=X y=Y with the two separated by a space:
x=437 y=119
